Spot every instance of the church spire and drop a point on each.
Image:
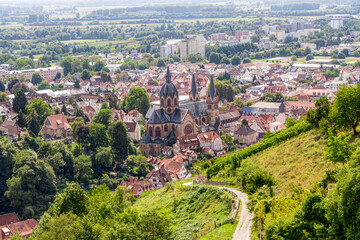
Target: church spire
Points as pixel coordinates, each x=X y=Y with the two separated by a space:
x=193 y=88
x=168 y=75
x=212 y=90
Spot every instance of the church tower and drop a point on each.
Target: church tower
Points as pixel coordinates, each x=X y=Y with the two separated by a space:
x=212 y=103
x=193 y=95
x=169 y=96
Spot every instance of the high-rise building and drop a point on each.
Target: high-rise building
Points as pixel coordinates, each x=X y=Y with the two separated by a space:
x=170 y=47
x=193 y=44
x=337 y=22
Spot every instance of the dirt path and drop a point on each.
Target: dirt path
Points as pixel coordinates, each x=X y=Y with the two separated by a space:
x=243 y=229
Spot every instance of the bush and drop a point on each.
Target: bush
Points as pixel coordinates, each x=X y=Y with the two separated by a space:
x=236 y=157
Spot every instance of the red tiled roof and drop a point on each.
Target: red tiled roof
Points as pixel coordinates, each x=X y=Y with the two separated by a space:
x=8 y=218
x=57 y=121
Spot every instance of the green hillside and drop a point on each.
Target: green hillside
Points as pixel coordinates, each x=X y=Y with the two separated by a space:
x=298 y=161
x=194 y=211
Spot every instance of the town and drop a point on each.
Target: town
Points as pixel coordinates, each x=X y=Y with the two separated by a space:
x=147 y=112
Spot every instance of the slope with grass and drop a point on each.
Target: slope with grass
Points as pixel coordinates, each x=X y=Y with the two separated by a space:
x=298 y=161
x=194 y=211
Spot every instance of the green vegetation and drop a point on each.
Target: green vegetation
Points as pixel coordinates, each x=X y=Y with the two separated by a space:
x=173 y=212
x=194 y=210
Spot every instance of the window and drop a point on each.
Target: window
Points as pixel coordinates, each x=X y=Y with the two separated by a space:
x=162 y=102
x=188 y=129
x=150 y=131
x=209 y=106
x=169 y=102
x=175 y=101
x=157 y=132
x=166 y=128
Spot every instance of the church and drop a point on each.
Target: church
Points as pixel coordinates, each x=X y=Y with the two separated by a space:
x=174 y=116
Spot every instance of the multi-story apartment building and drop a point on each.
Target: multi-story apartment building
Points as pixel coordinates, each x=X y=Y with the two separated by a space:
x=49 y=72
x=243 y=36
x=170 y=47
x=193 y=44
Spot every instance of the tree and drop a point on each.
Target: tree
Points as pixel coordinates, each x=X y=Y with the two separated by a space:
x=36 y=79
x=85 y=74
x=3 y=97
x=7 y=154
x=161 y=63
x=160 y=230
x=342 y=208
x=44 y=85
x=338 y=148
x=138 y=99
x=32 y=185
x=215 y=58
x=73 y=199
x=83 y=135
x=103 y=159
x=98 y=136
x=38 y=111
x=307 y=51
x=66 y=64
x=103 y=117
x=98 y=65
x=228 y=139
x=236 y=60
x=83 y=169
x=77 y=84
x=345 y=111
x=79 y=122
x=20 y=101
x=104 y=76
x=244 y=122
x=272 y=38
x=309 y=57
x=33 y=123
x=119 y=139
x=58 y=75
x=64 y=110
x=2 y=86
x=20 y=119
x=247 y=60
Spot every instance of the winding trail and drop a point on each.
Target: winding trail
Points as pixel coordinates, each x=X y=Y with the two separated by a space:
x=243 y=228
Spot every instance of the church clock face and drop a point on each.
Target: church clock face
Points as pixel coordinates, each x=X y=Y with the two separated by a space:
x=169 y=110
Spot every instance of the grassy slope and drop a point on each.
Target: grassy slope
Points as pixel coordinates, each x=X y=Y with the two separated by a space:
x=193 y=209
x=298 y=161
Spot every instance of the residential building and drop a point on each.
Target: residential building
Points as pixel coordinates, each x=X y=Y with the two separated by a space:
x=210 y=140
x=134 y=130
x=159 y=178
x=56 y=126
x=136 y=186
x=49 y=72
x=193 y=44
x=245 y=135
x=10 y=224
x=243 y=36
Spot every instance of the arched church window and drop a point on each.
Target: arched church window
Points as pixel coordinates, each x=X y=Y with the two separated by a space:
x=150 y=131
x=162 y=102
x=175 y=101
x=166 y=128
x=157 y=132
x=169 y=102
